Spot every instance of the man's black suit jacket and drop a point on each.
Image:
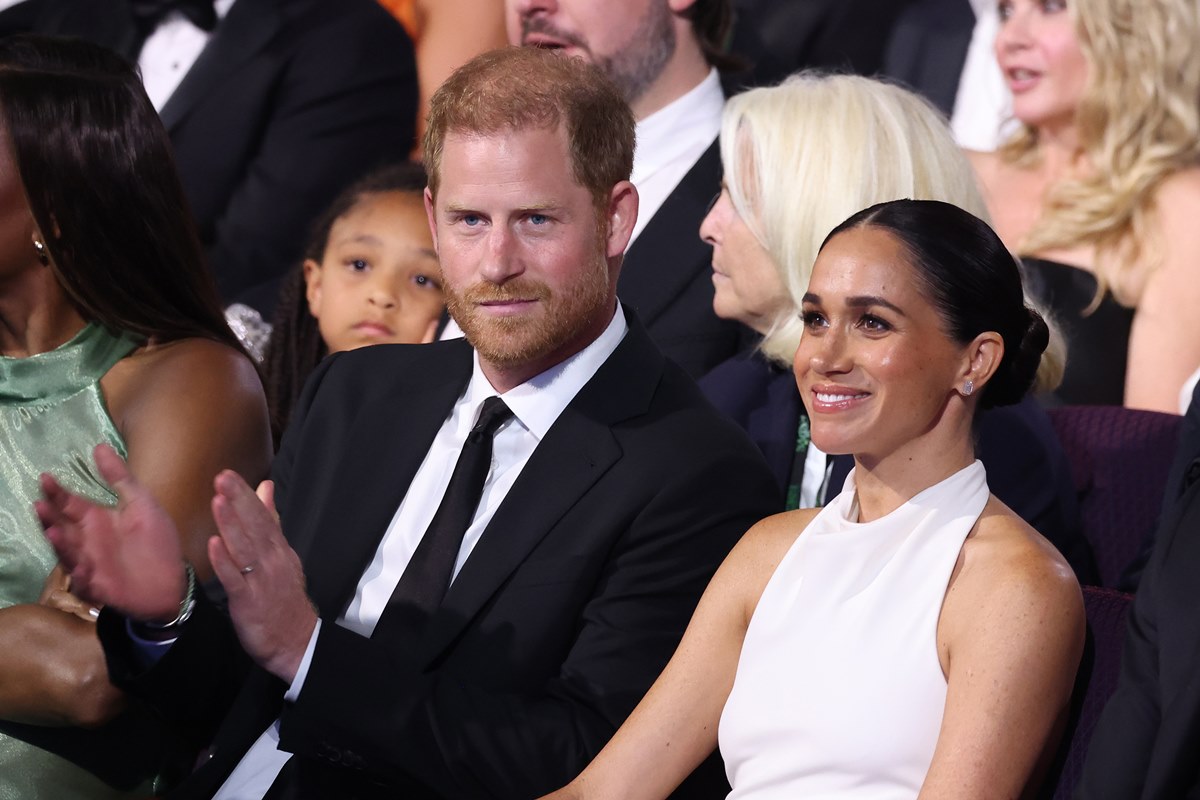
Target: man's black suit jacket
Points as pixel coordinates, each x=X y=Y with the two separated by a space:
x=666 y=276
x=565 y=612
x=1147 y=742
x=1026 y=466
x=290 y=101
x=928 y=46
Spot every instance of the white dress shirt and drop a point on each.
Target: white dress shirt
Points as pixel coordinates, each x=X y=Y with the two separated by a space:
x=171 y=50
x=983 y=104
x=535 y=404
x=669 y=143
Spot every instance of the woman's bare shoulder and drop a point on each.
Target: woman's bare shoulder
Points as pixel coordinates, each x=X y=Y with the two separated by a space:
x=770 y=538
x=1178 y=201
x=752 y=562
x=1005 y=560
x=197 y=374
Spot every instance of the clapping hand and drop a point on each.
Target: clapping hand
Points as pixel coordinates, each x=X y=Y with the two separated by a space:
x=262 y=576
x=127 y=556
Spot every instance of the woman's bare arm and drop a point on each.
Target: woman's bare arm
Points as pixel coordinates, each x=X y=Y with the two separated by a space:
x=1164 y=344
x=1010 y=636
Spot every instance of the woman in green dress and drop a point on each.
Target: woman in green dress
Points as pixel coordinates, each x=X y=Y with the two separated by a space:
x=110 y=332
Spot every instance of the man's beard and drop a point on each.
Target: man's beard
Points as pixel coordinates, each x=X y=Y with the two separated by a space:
x=520 y=339
x=638 y=63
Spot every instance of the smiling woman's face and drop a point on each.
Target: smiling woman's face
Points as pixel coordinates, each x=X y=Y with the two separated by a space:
x=875 y=366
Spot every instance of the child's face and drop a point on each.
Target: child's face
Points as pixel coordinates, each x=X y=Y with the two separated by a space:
x=378 y=281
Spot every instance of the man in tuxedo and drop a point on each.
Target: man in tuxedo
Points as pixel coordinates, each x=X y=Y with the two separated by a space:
x=944 y=50
x=1145 y=743
x=663 y=55
x=273 y=107
x=605 y=493
x=830 y=35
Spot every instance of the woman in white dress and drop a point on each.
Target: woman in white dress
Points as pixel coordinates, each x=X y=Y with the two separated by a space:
x=915 y=638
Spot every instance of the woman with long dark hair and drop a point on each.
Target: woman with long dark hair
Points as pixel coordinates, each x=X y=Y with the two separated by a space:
x=110 y=332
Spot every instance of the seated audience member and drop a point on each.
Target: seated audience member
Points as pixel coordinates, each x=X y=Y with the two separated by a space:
x=272 y=106
x=915 y=637
x=1144 y=746
x=110 y=332
x=778 y=39
x=943 y=49
x=446 y=34
x=487 y=642
x=663 y=56
x=1099 y=188
x=843 y=143
x=370 y=276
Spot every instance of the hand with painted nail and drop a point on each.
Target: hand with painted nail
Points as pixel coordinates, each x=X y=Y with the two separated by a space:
x=262 y=576
x=56 y=593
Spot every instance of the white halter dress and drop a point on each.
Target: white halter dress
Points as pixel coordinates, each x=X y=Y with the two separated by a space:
x=839 y=692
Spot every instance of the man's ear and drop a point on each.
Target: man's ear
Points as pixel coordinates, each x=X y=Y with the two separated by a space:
x=983 y=356
x=431 y=216
x=622 y=214
x=312 y=287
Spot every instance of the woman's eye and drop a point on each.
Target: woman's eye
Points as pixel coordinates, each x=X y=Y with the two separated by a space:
x=870 y=322
x=812 y=319
x=358 y=265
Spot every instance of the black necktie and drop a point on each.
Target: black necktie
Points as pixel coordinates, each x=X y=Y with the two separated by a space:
x=427 y=576
x=147 y=14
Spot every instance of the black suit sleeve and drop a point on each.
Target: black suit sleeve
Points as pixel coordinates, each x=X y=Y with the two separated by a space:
x=1129 y=741
x=451 y=731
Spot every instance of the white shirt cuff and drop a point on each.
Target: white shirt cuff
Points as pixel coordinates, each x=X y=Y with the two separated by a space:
x=293 y=691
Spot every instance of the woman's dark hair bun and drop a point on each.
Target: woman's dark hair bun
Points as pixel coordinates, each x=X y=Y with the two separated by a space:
x=1018 y=369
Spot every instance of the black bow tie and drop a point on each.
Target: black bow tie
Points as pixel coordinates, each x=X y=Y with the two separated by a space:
x=147 y=14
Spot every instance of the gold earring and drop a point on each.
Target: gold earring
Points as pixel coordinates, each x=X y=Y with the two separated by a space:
x=42 y=256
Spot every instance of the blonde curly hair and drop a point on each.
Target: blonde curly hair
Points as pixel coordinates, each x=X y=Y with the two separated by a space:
x=1138 y=122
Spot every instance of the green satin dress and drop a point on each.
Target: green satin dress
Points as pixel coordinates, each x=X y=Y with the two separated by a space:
x=51 y=416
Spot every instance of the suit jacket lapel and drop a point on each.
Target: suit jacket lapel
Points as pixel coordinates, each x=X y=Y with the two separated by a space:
x=384 y=451
x=247 y=29
x=577 y=450
x=773 y=427
x=668 y=252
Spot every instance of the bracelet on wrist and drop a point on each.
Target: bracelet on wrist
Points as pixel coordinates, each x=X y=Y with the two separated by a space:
x=185 y=606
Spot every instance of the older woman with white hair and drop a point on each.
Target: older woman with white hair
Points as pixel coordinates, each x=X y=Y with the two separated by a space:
x=799 y=158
